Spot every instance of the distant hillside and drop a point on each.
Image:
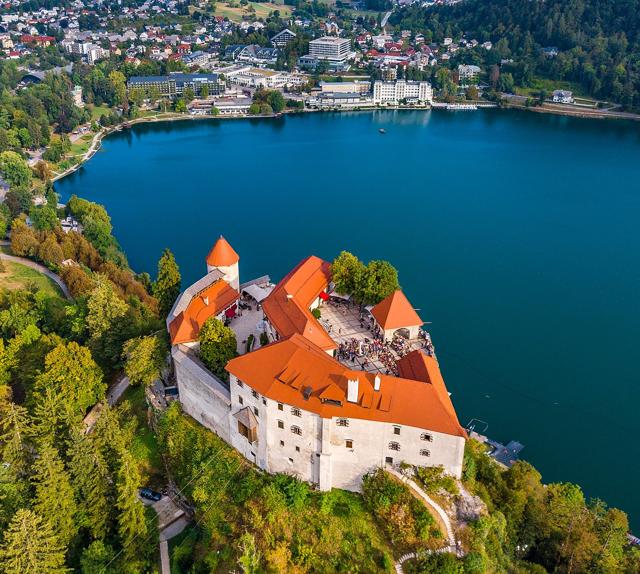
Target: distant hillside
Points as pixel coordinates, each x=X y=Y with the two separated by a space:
x=598 y=40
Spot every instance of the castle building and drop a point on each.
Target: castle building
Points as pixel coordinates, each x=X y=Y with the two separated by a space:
x=299 y=404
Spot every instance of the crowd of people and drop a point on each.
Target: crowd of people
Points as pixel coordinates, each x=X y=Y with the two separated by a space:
x=374 y=348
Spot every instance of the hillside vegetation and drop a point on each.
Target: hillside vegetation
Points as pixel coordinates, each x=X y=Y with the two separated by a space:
x=598 y=40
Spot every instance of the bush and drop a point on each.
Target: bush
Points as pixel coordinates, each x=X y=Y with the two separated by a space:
x=250 y=341
x=433 y=478
x=264 y=339
x=316 y=313
x=403 y=518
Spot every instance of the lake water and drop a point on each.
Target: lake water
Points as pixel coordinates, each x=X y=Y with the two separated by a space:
x=517 y=235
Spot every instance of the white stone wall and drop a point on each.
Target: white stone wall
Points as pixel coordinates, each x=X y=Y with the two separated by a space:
x=320 y=454
x=202 y=396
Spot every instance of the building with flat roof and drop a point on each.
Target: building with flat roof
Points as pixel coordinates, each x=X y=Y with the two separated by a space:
x=331 y=48
x=398 y=91
x=313 y=402
x=174 y=85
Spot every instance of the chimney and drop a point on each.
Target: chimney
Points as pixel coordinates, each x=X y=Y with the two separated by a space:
x=352 y=390
x=376 y=383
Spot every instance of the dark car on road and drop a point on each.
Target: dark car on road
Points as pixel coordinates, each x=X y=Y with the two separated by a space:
x=150 y=494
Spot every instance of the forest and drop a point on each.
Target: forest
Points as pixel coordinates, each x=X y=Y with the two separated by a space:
x=598 y=41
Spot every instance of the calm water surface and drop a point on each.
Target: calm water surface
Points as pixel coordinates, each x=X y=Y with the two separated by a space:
x=516 y=235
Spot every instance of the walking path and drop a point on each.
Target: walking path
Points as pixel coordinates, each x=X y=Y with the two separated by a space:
x=440 y=515
x=40 y=268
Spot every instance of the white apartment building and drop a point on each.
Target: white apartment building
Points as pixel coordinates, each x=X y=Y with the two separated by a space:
x=355 y=87
x=291 y=406
x=395 y=92
x=330 y=48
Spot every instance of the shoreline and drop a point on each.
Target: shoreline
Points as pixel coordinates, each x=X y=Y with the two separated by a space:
x=173 y=117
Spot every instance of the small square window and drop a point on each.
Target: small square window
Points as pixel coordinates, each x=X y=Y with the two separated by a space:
x=254 y=394
x=280 y=424
x=388 y=459
x=425 y=452
x=264 y=402
x=296 y=430
x=396 y=430
x=240 y=384
x=342 y=422
x=290 y=461
x=297 y=449
x=349 y=443
x=426 y=436
x=394 y=446
x=280 y=407
x=255 y=411
x=296 y=412
x=240 y=400
x=281 y=443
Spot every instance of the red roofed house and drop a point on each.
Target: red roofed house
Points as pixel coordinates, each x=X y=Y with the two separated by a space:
x=291 y=406
x=395 y=313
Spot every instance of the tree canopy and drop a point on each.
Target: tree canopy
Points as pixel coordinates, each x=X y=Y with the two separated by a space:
x=217 y=346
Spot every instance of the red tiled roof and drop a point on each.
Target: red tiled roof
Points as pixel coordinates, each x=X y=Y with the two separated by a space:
x=287 y=307
x=295 y=368
x=208 y=303
x=395 y=312
x=222 y=254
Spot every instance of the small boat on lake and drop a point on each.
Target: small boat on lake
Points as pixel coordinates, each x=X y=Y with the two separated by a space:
x=382 y=131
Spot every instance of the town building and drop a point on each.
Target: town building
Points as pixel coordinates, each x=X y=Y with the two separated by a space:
x=174 y=85
x=301 y=404
x=330 y=48
x=468 y=74
x=281 y=39
x=563 y=96
x=355 y=87
x=398 y=91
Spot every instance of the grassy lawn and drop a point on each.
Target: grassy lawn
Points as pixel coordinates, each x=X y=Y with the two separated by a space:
x=145 y=446
x=97 y=111
x=81 y=145
x=237 y=13
x=549 y=86
x=17 y=276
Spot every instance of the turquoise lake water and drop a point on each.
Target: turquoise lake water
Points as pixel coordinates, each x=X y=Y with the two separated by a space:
x=517 y=235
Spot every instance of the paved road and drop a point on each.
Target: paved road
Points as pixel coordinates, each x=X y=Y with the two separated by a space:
x=385 y=19
x=117 y=390
x=40 y=268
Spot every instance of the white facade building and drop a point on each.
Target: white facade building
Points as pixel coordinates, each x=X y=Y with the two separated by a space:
x=401 y=90
x=330 y=48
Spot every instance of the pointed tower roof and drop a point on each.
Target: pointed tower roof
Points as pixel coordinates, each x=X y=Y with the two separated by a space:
x=222 y=254
x=395 y=312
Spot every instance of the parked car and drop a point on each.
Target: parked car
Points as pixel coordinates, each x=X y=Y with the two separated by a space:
x=150 y=494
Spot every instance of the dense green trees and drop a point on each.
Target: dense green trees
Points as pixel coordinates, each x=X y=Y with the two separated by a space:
x=145 y=358
x=368 y=284
x=598 y=40
x=167 y=286
x=217 y=346
x=31 y=546
x=15 y=170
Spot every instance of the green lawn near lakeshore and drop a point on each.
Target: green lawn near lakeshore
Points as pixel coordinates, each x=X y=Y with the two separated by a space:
x=549 y=86
x=81 y=145
x=97 y=111
x=18 y=276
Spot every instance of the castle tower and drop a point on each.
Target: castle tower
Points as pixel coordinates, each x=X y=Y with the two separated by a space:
x=225 y=259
